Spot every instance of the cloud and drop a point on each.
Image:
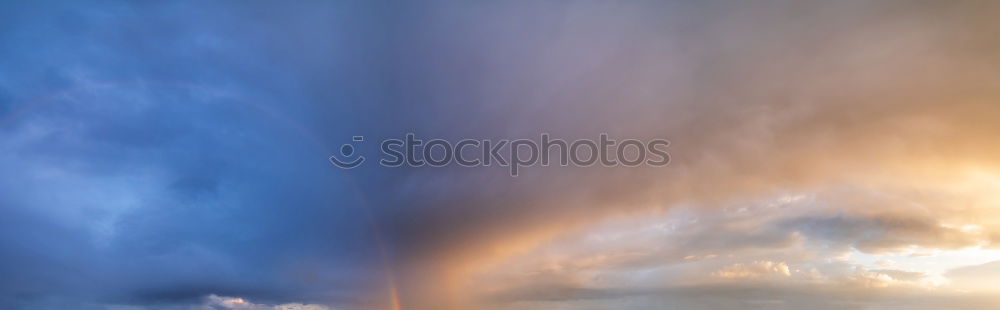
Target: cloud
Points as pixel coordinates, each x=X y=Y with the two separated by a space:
x=756 y=269
x=977 y=277
x=173 y=150
x=901 y=275
x=760 y=297
x=883 y=233
x=628 y=258
x=214 y=302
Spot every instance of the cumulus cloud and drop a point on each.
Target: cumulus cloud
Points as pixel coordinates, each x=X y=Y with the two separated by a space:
x=901 y=275
x=215 y=302
x=754 y=270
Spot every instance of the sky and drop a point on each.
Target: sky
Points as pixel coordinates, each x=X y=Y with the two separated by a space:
x=824 y=155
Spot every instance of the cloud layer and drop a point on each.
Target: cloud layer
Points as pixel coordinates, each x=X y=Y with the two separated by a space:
x=161 y=155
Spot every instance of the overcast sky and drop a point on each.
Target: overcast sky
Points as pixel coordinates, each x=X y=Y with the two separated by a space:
x=825 y=155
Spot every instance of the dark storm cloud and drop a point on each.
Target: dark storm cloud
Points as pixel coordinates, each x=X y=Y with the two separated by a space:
x=155 y=154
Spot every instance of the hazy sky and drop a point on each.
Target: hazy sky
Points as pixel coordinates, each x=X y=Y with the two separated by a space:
x=825 y=155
